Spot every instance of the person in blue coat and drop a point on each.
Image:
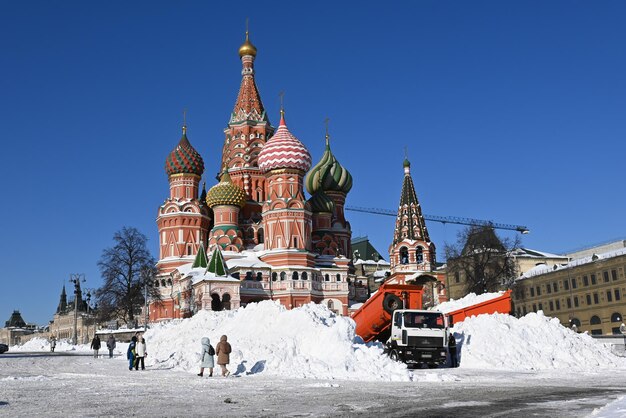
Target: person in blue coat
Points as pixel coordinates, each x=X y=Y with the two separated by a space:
x=206 y=356
x=130 y=354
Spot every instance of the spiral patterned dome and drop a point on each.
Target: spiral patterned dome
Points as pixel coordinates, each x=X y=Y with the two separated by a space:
x=184 y=158
x=226 y=193
x=328 y=175
x=283 y=150
x=320 y=202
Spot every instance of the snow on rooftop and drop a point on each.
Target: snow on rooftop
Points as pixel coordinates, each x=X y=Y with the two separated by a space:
x=543 y=269
x=527 y=252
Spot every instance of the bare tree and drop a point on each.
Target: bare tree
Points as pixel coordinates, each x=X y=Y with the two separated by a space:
x=483 y=259
x=126 y=268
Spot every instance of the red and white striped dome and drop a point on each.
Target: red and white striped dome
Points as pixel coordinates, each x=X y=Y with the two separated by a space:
x=284 y=150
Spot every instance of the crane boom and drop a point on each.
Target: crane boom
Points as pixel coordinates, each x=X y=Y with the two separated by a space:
x=446 y=219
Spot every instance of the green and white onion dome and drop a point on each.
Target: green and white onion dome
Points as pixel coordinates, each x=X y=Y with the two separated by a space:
x=328 y=175
x=320 y=203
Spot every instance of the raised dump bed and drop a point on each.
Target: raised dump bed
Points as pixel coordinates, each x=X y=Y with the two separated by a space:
x=373 y=319
x=500 y=304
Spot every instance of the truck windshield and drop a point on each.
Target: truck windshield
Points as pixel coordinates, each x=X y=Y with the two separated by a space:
x=423 y=320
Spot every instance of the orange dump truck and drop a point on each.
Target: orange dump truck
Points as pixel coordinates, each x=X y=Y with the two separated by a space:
x=501 y=304
x=373 y=319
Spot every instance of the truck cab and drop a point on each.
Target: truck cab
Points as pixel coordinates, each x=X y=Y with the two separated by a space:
x=418 y=337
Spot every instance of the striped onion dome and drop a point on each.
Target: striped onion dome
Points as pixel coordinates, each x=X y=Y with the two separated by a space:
x=184 y=158
x=226 y=193
x=284 y=150
x=328 y=175
x=320 y=202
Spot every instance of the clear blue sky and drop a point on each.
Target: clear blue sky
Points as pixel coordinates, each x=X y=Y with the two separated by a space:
x=511 y=111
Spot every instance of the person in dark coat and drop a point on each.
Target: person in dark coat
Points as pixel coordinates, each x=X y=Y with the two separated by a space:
x=95 y=345
x=53 y=343
x=207 y=357
x=111 y=345
x=223 y=350
x=130 y=354
x=452 y=349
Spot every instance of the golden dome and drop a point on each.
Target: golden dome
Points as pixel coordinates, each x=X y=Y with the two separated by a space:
x=247 y=48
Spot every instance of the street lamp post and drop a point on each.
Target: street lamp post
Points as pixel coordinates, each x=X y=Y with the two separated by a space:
x=76 y=279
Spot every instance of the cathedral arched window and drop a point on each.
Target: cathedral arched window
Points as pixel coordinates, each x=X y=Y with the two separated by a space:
x=294 y=276
x=419 y=255
x=338 y=277
x=305 y=276
x=259 y=276
x=283 y=275
x=595 y=320
x=226 y=301
x=260 y=236
x=274 y=276
x=327 y=277
x=404 y=255
x=248 y=275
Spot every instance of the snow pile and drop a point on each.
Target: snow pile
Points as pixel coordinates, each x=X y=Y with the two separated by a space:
x=43 y=344
x=533 y=342
x=468 y=300
x=306 y=342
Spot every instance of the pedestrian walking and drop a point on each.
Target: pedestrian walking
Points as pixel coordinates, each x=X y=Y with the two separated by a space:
x=206 y=357
x=140 y=351
x=95 y=346
x=130 y=353
x=452 y=350
x=223 y=350
x=111 y=345
x=53 y=343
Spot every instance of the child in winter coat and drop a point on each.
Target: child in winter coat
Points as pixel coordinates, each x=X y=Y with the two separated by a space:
x=140 y=353
x=207 y=357
x=130 y=354
x=223 y=350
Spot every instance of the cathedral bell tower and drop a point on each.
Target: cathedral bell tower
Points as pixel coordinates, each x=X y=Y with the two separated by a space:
x=411 y=250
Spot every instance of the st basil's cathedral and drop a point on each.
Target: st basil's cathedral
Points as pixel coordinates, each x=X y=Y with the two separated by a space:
x=254 y=235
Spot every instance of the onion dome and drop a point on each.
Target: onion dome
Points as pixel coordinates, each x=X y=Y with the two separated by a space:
x=226 y=193
x=320 y=202
x=328 y=174
x=406 y=163
x=283 y=150
x=184 y=158
x=247 y=48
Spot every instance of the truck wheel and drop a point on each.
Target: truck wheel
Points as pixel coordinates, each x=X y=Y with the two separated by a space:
x=391 y=303
x=393 y=354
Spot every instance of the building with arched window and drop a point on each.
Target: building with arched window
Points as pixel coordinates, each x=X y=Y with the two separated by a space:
x=587 y=292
